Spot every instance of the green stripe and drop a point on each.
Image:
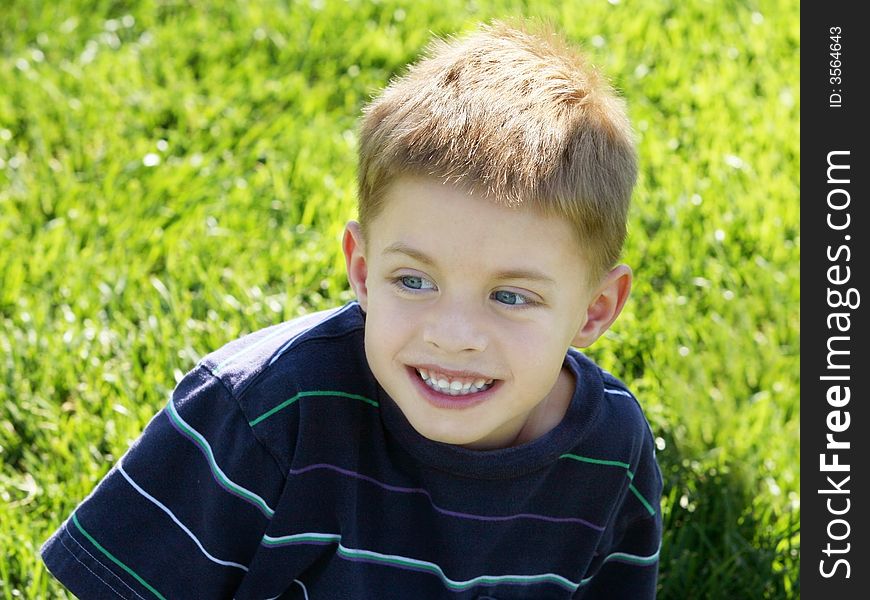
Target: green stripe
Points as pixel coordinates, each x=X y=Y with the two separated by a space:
x=115 y=560
x=287 y=403
x=598 y=461
x=615 y=463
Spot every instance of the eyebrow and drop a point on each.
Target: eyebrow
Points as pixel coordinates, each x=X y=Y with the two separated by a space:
x=402 y=248
x=526 y=274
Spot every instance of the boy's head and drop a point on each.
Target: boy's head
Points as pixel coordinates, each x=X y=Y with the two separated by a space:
x=494 y=184
x=518 y=118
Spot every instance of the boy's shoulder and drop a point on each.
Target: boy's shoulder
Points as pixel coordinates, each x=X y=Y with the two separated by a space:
x=272 y=359
x=618 y=392
x=265 y=373
x=618 y=414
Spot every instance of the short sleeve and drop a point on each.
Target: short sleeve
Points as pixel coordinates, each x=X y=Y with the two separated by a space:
x=182 y=513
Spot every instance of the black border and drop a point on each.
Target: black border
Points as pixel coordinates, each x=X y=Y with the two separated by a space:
x=826 y=129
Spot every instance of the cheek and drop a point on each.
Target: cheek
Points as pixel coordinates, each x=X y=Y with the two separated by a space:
x=538 y=335
x=537 y=351
x=387 y=325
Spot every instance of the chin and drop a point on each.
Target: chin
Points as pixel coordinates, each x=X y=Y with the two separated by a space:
x=447 y=436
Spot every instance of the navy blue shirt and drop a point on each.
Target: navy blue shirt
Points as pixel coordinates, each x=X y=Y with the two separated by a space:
x=280 y=469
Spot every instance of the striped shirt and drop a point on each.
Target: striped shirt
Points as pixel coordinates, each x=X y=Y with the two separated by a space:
x=280 y=469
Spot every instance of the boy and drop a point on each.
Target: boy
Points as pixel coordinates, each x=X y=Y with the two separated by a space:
x=437 y=437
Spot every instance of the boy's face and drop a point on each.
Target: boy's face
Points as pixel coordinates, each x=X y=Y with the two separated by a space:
x=470 y=309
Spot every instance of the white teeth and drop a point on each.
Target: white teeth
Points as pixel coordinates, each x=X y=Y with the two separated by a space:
x=453 y=388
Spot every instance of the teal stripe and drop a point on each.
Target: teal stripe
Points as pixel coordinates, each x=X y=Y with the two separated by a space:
x=115 y=560
x=633 y=559
x=300 y=538
x=198 y=439
x=643 y=501
x=287 y=403
x=409 y=563
x=615 y=463
x=414 y=564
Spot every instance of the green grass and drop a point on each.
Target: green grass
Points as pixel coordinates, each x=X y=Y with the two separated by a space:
x=175 y=173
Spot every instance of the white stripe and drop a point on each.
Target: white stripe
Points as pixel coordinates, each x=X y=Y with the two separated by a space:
x=162 y=507
x=281 y=329
x=99 y=562
x=247 y=349
x=617 y=392
x=289 y=343
x=302 y=585
x=304 y=589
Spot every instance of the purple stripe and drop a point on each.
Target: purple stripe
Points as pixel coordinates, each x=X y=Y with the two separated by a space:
x=444 y=511
x=208 y=464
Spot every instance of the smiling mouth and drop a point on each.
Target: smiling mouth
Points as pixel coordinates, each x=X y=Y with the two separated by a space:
x=453 y=386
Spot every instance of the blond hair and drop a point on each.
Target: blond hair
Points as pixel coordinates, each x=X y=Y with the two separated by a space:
x=518 y=117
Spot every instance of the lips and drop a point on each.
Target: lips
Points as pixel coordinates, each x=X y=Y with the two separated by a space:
x=452 y=389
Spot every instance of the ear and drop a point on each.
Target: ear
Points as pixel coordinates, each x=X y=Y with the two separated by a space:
x=355 y=260
x=605 y=306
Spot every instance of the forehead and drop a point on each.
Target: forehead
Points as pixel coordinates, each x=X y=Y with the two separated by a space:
x=450 y=224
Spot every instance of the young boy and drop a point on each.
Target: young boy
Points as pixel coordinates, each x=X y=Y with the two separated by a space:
x=438 y=437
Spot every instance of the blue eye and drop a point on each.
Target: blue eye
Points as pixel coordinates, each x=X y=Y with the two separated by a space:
x=510 y=298
x=414 y=282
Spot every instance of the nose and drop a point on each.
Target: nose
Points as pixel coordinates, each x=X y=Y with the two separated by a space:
x=456 y=327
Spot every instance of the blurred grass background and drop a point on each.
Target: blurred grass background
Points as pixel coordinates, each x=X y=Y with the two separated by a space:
x=176 y=173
